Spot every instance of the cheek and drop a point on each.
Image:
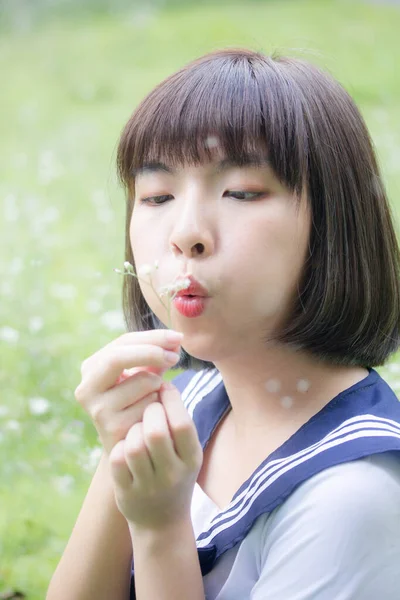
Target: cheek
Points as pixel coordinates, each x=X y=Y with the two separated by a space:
x=143 y=243
x=276 y=257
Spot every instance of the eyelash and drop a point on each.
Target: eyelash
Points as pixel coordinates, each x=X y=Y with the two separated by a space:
x=150 y=199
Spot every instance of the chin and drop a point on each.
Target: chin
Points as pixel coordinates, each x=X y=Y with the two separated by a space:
x=202 y=351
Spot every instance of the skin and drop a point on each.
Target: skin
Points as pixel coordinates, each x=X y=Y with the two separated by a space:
x=248 y=251
x=249 y=254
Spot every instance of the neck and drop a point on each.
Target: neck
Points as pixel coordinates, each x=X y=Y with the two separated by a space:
x=280 y=388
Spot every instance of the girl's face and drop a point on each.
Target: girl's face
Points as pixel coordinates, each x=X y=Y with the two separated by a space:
x=237 y=230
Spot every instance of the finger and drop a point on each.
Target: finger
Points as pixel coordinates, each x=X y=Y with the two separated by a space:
x=119 y=469
x=165 y=338
x=137 y=455
x=183 y=431
x=157 y=436
x=118 y=397
x=106 y=371
x=126 y=418
x=131 y=391
x=116 y=424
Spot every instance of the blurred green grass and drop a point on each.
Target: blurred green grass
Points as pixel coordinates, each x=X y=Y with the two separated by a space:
x=70 y=85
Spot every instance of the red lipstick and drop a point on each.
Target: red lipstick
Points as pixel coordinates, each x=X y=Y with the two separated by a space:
x=191 y=301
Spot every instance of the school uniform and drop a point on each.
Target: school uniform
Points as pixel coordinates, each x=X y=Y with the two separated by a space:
x=320 y=517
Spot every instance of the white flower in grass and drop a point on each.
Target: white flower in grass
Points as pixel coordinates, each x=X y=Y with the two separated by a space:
x=4 y=411
x=63 y=291
x=64 y=483
x=93 y=458
x=39 y=406
x=35 y=324
x=13 y=425
x=113 y=320
x=9 y=335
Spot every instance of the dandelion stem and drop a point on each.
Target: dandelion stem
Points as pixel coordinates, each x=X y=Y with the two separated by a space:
x=128 y=270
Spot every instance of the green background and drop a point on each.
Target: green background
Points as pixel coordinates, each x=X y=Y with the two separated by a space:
x=71 y=76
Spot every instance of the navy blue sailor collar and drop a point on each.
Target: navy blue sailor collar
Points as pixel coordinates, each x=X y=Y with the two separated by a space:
x=362 y=420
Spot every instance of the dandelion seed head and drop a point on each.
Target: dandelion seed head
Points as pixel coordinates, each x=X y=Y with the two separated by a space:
x=182 y=284
x=173 y=288
x=128 y=267
x=165 y=290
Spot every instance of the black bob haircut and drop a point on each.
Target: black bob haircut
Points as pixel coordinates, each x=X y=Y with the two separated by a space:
x=306 y=125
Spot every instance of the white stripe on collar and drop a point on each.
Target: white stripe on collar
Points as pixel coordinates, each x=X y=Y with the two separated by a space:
x=369 y=426
x=202 y=386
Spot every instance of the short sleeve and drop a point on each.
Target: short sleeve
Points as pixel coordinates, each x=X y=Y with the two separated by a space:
x=337 y=537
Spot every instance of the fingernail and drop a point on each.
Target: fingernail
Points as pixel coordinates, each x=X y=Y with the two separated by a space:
x=173 y=336
x=171 y=357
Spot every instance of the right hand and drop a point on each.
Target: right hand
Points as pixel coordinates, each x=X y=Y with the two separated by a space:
x=122 y=379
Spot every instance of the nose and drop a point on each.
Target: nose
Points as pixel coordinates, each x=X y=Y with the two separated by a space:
x=192 y=235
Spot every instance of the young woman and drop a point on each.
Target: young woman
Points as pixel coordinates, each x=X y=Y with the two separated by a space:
x=270 y=469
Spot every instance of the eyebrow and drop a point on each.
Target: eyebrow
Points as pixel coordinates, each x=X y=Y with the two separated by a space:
x=221 y=166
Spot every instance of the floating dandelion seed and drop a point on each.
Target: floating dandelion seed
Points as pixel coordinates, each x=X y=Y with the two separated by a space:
x=273 y=386
x=303 y=385
x=287 y=402
x=211 y=142
x=146 y=271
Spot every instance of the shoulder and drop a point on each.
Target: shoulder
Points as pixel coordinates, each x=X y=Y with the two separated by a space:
x=351 y=496
x=337 y=533
x=370 y=481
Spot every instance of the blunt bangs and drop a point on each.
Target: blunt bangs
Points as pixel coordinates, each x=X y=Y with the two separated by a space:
x=227 y=102
x=303 y=122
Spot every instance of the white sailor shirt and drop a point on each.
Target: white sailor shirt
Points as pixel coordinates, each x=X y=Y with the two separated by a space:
x=320 y=517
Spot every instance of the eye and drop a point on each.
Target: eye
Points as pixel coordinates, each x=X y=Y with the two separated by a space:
x=156 y=199
x=243 y=195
